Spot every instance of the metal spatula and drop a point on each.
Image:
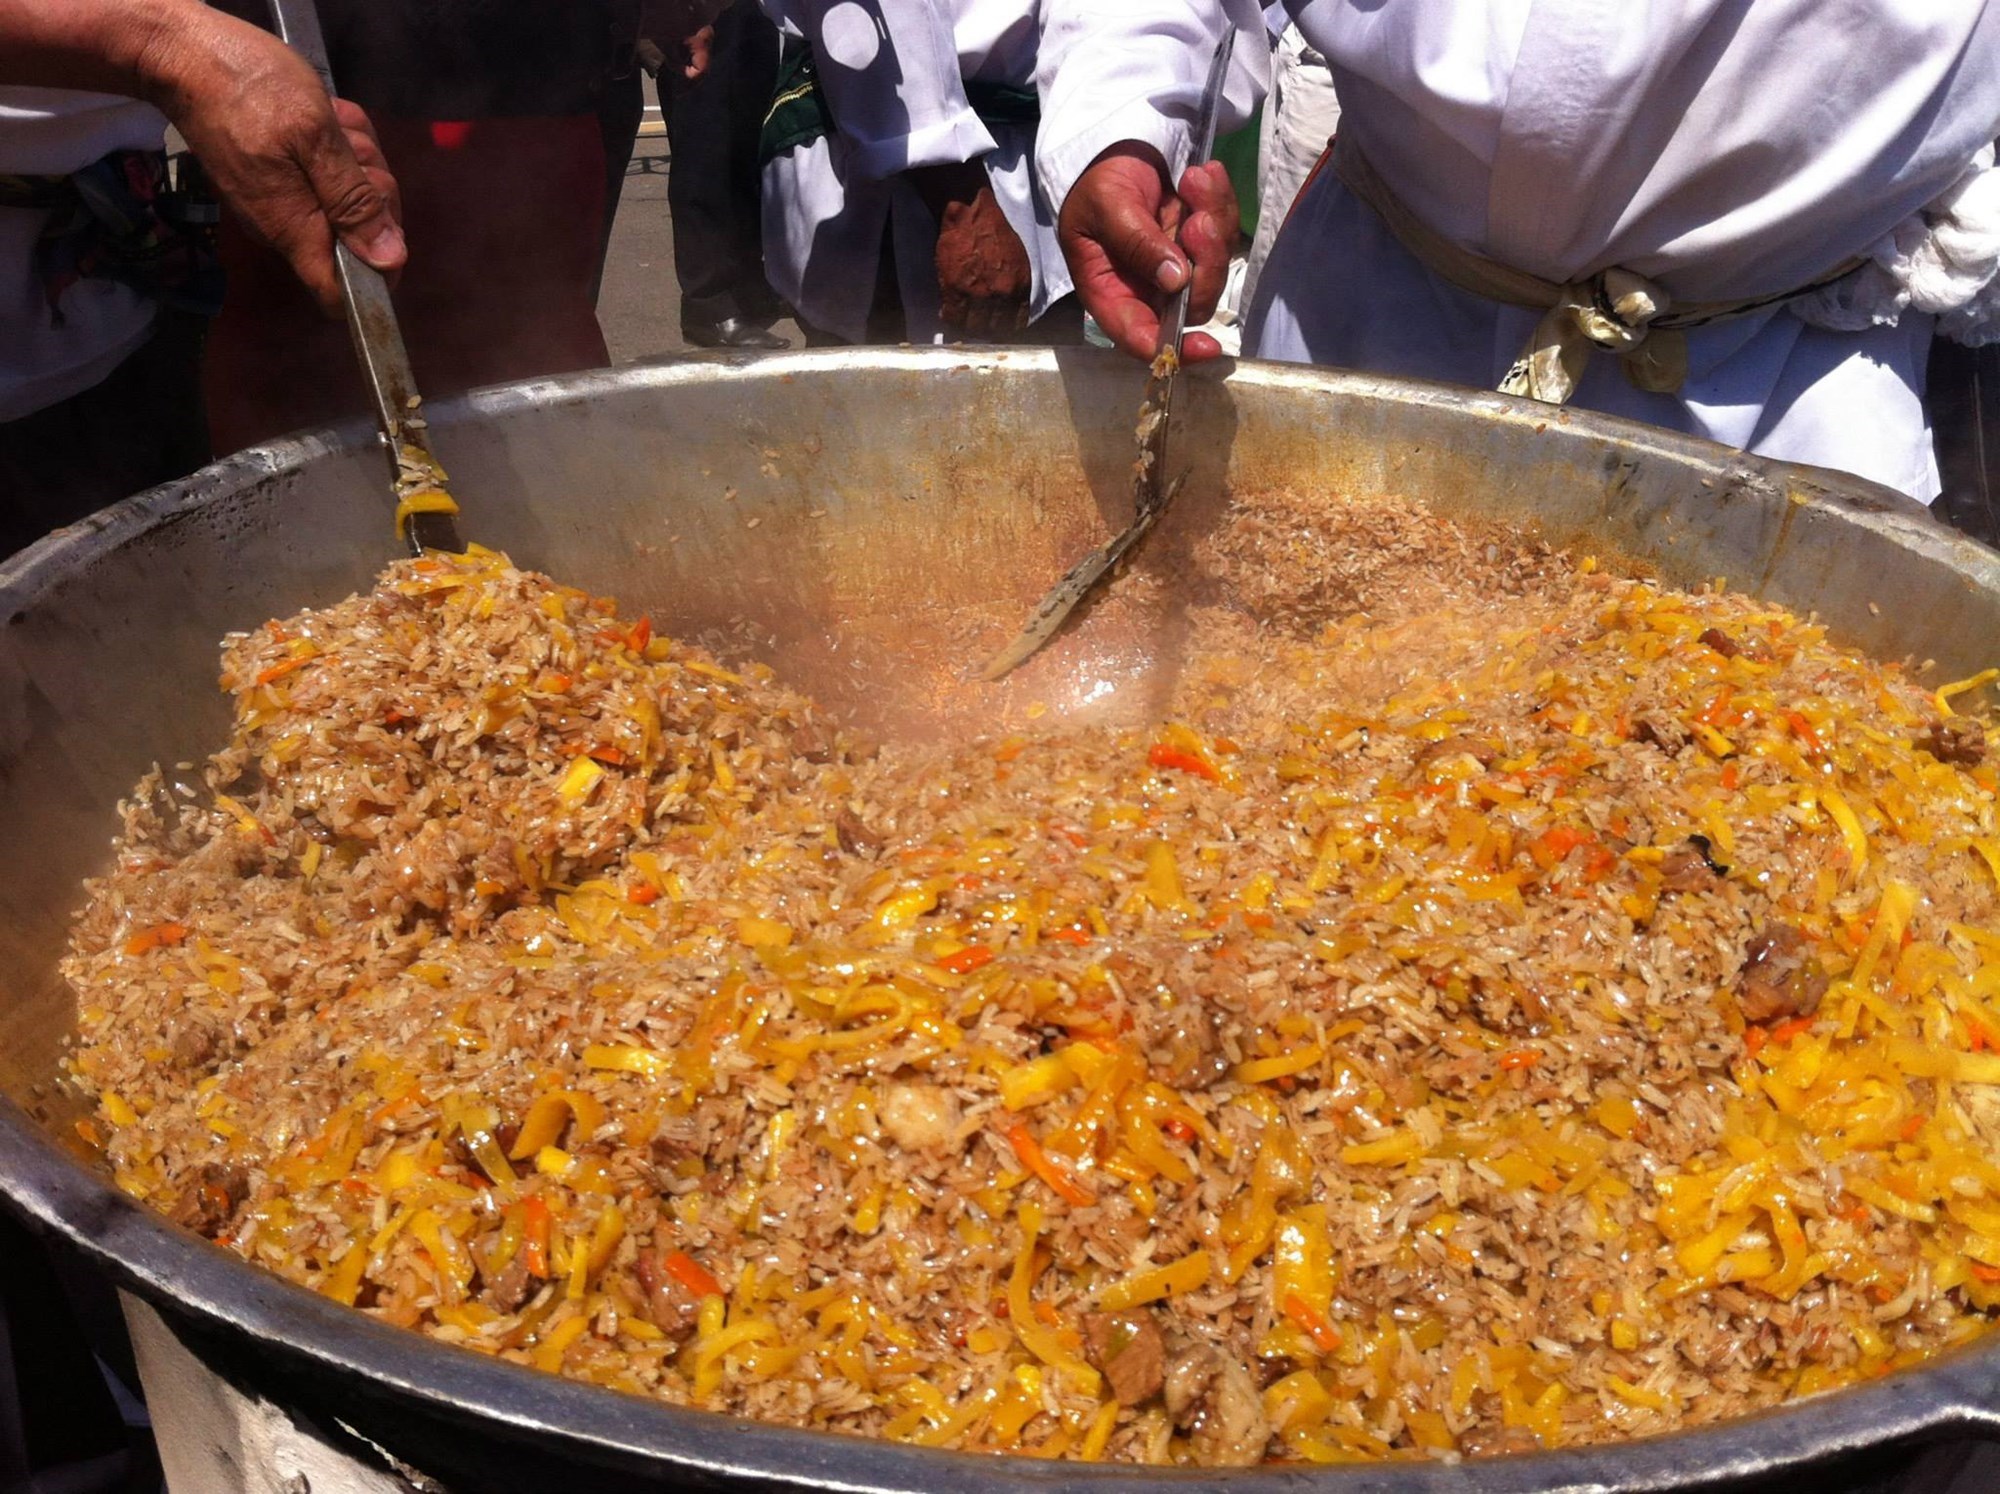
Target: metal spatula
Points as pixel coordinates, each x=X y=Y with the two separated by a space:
x=1150 y=492
x=424 y=505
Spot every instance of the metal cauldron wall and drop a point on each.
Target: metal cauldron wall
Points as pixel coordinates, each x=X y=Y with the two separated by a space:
x=844 y=515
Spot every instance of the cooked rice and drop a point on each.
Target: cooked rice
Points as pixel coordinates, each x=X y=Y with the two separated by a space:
x=1356 y=1064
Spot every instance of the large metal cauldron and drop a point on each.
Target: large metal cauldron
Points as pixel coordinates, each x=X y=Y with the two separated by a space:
x=853 y=508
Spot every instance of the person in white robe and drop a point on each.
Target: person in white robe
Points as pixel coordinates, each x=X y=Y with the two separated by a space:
x=905 y=160
x=1745 y=219
x=1301 y=113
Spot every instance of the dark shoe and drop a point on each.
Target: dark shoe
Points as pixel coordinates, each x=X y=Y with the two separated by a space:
x=733 y=332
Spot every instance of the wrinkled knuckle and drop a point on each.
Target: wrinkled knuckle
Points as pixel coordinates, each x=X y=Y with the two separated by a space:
x=355 y=203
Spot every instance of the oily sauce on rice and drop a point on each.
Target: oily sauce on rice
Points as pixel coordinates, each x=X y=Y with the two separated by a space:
x=1502 y=1005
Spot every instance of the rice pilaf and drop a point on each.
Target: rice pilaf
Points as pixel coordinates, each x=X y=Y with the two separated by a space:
x=1503 y=1005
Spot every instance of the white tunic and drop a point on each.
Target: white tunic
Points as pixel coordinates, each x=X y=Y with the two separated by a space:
x=51 y=132
x=893 y=72
x=1724 y=148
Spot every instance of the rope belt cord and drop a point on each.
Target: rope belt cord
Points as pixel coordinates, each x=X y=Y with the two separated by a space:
x=799 y=113
x=1613 y=310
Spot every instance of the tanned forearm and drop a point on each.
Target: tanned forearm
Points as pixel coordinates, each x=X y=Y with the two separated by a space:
x=108 y=46
x=297 y=170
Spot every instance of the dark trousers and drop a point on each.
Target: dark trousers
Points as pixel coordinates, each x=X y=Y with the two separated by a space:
x=712 y=181
x=1964 y=394
x=142 y=426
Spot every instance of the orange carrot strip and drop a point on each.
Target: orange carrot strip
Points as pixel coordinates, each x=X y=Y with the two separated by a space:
x=965 y=961
x=1042 y=1166
x=279 y=671
x=1181 y=761
x=691 y=1274
x=154 y=937
x=536 y=1224
x=1318 y=1326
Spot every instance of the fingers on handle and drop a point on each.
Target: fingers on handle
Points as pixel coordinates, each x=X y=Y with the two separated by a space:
x=1199 y=347
x=354 y=202
x=1209 y=234
x=1132 y=325
x=1137 y=245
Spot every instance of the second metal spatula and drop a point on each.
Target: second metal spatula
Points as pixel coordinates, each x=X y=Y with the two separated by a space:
x=1151 y=492
x=424 y=505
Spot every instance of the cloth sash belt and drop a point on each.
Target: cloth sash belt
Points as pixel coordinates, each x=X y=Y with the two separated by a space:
x=799 y=113
x=120 y=219
x=1614 y=310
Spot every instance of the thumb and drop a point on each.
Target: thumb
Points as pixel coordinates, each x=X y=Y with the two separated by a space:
x=355 y=207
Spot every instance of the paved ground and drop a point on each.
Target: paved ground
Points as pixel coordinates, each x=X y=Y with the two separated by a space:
x=639 y=305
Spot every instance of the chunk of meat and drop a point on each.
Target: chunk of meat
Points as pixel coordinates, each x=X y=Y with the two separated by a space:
x=919 y=1117
x=1483 y=753
x=1779 y=978
x=1128 y=1350
x=669 y=1303
x=1721 y=642
x=1507 y=1005
x=1184 y=1046
x=1954 y=740
x=1662 y=732
x=1685 y=869
x=195 y=1044
x=855 y=838
x=1216 y=1403
x=813 y=741
x=213 y=1199
x=511 y=1290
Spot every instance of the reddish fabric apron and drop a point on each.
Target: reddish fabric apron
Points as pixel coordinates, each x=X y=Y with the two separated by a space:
x=505 y=219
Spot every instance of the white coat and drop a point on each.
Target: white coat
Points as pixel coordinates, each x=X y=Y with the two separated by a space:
x=893 y=74
x=44 y=360
x=1725 y=149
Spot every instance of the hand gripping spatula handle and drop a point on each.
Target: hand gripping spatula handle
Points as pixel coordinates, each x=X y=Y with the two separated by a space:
x=1151 y=493
x=424 y=506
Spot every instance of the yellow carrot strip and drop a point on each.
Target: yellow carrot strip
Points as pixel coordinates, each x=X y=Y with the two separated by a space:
x=1183 y=1275
x=343 y=1283
x=1099 y=1436
x=544 y=1122
x=1850 y=830
x=548 y=1354
x=1651 y=1400
x=1899 y=901
x=1258 y=1070
x=454 y=1270
x=626 y=1057
x=1944 y=693
x=1404 y=1146
x=577 y=783
x=1034 y=1334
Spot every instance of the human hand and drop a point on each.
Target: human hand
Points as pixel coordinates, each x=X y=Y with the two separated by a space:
x=697 y=48
x=984 y=279
x=297 y=167
x=1131 y=243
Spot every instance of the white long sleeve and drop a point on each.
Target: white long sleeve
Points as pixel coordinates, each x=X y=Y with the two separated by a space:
x=1113 y=70
x=1723 y=148
x=890 y=69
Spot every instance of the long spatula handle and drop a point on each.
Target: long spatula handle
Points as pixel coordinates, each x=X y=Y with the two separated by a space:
x=378 y=342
